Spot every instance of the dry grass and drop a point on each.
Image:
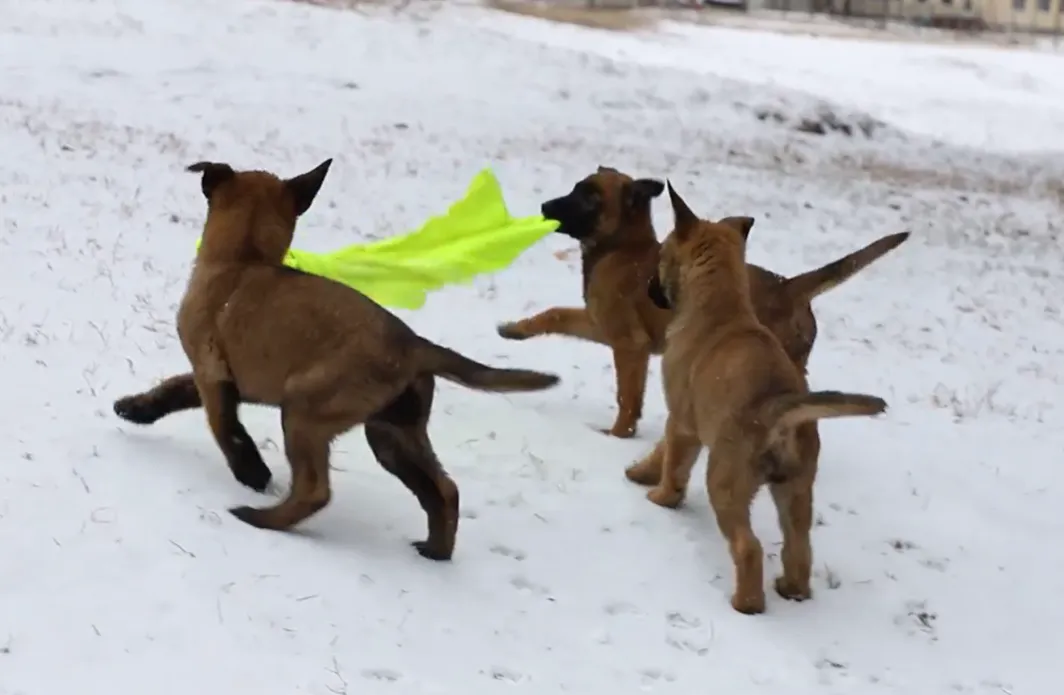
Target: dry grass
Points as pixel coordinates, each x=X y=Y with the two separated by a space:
x=605 y=18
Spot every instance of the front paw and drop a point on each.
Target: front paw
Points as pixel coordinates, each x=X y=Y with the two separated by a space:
x=667 y=497
x=621 y=431
x=512 y=331
x=138 y=409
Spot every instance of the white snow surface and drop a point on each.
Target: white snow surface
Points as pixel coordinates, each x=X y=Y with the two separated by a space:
x=939 y=563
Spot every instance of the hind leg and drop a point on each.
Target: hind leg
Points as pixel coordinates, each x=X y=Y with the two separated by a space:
x=398 y=436
x=732 y=484
x=306 y=445
x=794 y=506
x=572 y=322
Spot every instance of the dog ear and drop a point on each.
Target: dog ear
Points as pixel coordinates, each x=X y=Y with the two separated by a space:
x=641 y=191
x=684 y=217
x=214 y=174
x=305 y=187
x=743 y=225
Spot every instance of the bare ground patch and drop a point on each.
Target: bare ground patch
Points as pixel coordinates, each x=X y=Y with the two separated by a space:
x=612 y=19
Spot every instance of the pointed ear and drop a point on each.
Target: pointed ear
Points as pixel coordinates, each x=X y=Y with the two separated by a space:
x=641 y=191
x=684 y=218
x=743 y=225
x=214 y=174
x=305 y=187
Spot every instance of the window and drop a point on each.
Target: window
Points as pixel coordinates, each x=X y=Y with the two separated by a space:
x=1019 y=4
x=1043 y=5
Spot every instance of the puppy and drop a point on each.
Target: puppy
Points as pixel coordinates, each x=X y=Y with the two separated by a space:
x=256 y=331
x=609 y=214
x=730 y=385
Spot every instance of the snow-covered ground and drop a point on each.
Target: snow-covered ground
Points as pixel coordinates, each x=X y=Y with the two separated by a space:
x=938 y=553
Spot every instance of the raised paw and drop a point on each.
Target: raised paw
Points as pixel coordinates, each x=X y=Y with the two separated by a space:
x=750 y=604
x=791 y=590
x=432 y=552
x=137 y=409
x=669 y=498
x=513 y=331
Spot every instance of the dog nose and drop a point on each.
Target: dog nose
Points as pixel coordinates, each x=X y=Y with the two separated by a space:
x=550 y=209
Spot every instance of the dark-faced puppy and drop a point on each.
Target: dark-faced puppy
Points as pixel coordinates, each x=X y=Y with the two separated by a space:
x=256 y=331
x=609 y=214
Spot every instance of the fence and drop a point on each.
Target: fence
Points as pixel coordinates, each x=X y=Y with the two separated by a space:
x=1015 y=16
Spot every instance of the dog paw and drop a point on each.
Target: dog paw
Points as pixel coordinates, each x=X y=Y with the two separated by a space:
x=511 y=331
x=621 y=431
x=666 y=497
x=431 y=551
x=247 y=465
x=750 y=604
x=642 y=474
x=136 y=409
x=793 y=591
x=251 y=516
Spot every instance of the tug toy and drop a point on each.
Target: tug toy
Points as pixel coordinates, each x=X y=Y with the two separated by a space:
x=475 y=236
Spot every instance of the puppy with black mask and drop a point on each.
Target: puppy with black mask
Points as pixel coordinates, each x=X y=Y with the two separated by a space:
x=608 y=212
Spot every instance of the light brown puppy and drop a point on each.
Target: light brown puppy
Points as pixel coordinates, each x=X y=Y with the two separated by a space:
x=731 y=386
x=608 y=212
x=256 y=331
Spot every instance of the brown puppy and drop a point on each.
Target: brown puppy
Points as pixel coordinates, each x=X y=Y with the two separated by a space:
x=731 y=386
x=609 y=214
x=256 y=331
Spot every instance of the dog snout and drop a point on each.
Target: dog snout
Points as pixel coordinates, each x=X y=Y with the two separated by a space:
x=554 y=209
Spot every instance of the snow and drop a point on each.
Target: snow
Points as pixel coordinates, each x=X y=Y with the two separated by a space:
x=938 y=556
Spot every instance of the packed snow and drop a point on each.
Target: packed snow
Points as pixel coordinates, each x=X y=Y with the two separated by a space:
x=939 y=564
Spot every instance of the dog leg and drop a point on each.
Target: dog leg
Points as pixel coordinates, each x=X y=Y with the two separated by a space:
x=174 y=394
x=306 y=445
x=571 y=322
x=681 y=452
x=794 y=504
x=220 y=400
x=732 y=487
x=398 y=436
x=630 y=368
x=647 y=471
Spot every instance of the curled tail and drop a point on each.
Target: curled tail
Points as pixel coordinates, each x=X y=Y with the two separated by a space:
x=815 y=282
x=787 y=412
x=458 y=368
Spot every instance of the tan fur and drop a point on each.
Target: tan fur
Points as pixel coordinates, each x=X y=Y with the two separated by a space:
x=620 y=255
x=730 y=385
x=256 y=331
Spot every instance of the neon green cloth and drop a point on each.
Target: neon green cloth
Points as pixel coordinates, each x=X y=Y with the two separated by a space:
x=475 y=236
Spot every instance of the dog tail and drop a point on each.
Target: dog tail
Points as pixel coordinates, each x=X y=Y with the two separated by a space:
x=815 y=282
x=458 y=368
x=787 y=412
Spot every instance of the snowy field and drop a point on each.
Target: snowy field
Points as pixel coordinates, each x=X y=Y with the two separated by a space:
x=939 y=564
